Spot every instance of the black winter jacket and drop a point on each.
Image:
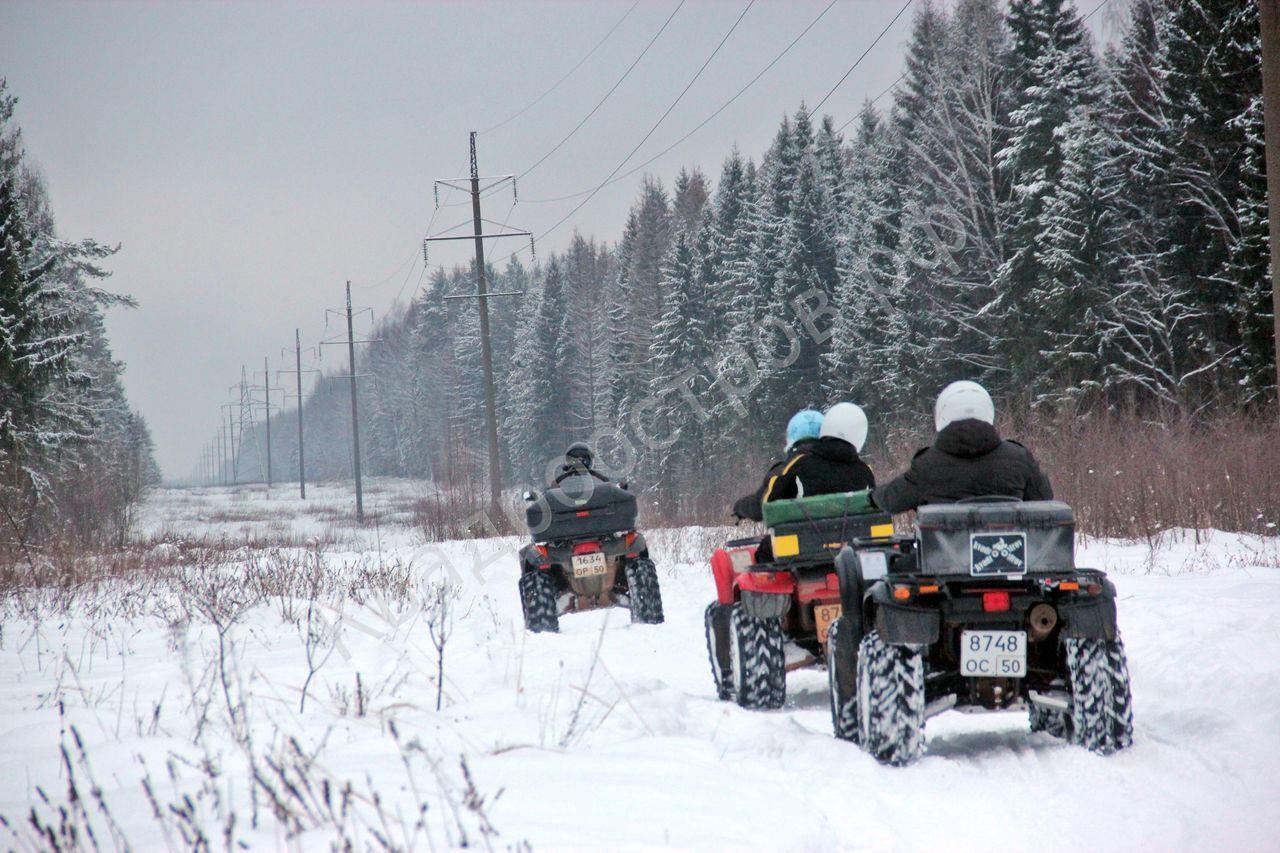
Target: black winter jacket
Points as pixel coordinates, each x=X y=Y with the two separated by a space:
x=968 y=459
x=830 y=466
x=749 y=506
x=577 y=469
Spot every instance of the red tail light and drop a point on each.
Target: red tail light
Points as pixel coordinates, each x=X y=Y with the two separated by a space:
x=586 y=548
x=541 y=549
x=995 y=602
x=583 y=513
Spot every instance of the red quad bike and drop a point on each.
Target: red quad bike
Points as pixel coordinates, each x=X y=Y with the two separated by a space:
x=795 y=596
x=585 y=554
x=983 y=609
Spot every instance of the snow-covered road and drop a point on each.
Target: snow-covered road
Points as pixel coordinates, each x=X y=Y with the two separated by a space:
x=608 y=735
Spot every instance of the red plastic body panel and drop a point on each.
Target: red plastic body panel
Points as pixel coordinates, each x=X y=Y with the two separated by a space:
x=724 y=575
x=821 y=591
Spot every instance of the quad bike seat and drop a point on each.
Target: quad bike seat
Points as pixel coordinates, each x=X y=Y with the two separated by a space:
x=580 y=508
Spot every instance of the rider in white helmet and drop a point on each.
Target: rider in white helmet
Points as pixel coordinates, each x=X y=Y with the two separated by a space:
x=967 y=459
x=832 y=464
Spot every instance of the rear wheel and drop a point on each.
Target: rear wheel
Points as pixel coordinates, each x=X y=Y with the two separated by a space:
x=890 y=700
x=842 y=678
x=1101 y=703
x=759 y=665
x=716 y=619
x=642 y=587
x=538 y=599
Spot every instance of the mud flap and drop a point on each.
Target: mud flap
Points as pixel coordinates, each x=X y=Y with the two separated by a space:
x=900 y=625
x=1089 y=620
x=765 y=605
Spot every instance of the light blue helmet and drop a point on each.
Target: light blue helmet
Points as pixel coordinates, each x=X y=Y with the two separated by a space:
x=805 y=423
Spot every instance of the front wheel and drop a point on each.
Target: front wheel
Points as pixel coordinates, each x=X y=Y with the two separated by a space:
x=1101 y=704
x=758 y=661
x=890 y=700
x=642 y=587
x=538 y=599
x=842 y=679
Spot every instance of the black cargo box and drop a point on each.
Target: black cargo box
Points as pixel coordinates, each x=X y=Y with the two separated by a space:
x=581 y=507
x=996 y=539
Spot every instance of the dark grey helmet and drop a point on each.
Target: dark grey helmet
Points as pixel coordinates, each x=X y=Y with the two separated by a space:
x=579 y=453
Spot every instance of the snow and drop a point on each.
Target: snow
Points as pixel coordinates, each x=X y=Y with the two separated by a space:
x=608 y=735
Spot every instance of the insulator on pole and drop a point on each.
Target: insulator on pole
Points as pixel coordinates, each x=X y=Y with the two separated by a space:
x=515 y=194
x=435 y=188
x=426 y=258
x=533 y=250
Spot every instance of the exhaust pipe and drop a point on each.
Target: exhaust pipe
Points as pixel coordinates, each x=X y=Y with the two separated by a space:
x=1041 y=621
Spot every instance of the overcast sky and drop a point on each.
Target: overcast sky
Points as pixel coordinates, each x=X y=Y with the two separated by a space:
x=252 y=157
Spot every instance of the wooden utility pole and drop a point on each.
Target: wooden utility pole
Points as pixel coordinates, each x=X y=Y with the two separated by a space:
x=302 y=468
x=266 y=399
x=355 y=411
x=482 y=295
x=1269 y=21
x=355 y=418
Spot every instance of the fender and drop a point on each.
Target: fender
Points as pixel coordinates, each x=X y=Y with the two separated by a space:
x=901 y=624
x=852 y=592
x=638 y=547
x=722 y=571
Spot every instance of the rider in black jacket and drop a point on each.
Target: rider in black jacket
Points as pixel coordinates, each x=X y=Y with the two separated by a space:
x=967 y=459
x=802 y=435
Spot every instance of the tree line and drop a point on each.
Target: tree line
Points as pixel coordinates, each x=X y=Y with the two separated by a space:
x=1081 y=230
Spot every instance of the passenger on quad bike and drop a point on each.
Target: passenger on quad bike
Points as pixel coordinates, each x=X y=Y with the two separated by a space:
x=780 y=592
x=577 y=463
x=968 y=458
x=802 y=435
x=829 y=466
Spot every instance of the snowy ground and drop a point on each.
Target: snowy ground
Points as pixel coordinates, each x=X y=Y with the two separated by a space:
x=607 y=736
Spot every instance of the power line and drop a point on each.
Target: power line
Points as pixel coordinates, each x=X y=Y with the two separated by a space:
x=701 y=124
x=656 y=124
x=614 y=88
x=858 y=61
x=566 y=76
x=902 y=76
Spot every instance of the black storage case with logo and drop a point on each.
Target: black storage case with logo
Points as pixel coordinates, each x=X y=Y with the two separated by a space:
x=945 y=534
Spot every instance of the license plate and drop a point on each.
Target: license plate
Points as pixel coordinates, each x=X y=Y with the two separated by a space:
x=589 y=565
x=824 y=615
x=993 y=654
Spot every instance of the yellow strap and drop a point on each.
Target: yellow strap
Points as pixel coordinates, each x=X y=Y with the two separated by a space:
x=787 y=470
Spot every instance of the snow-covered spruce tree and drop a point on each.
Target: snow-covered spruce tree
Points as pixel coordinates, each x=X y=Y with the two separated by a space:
x=537 y=410
x=1057 y=77
x=638 y=305
x=66 y=434
x=588 y=274
x=673 y=422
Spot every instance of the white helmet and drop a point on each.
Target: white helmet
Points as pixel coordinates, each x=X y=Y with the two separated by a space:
x=846 y=421
x=962 y=400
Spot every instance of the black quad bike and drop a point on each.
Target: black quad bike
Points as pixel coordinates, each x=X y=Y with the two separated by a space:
x=585 y=554
x=983 y=609
x=765 y=601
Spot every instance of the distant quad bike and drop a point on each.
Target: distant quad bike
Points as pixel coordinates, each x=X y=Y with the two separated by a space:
x=585 y=554
x=983 y=609
x=794 y=597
